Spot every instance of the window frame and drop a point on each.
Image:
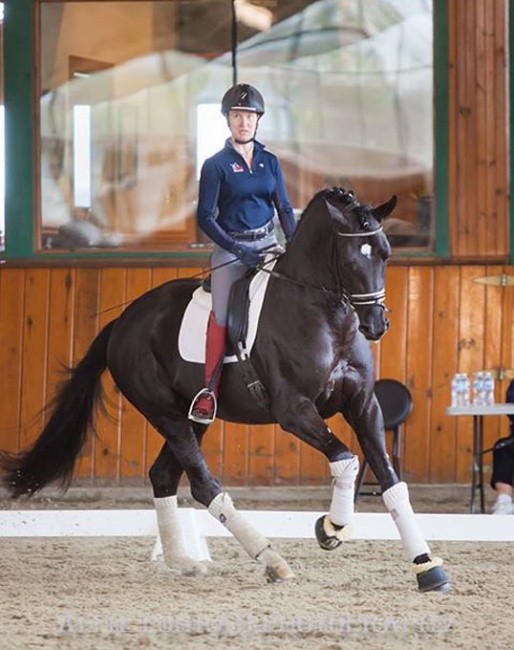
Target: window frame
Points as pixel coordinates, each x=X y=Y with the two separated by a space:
x=510 y=39
x=22 y=213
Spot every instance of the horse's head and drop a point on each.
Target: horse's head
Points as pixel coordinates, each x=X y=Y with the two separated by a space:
x=361 y=250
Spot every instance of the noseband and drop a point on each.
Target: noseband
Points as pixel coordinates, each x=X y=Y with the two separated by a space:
x=363 y=299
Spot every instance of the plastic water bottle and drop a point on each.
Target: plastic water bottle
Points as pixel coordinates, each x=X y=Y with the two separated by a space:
x=455 y=390
x=488 y=389
x=465 y=390
x=478 y=389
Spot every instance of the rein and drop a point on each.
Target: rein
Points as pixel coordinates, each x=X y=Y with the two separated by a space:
x=352 y=300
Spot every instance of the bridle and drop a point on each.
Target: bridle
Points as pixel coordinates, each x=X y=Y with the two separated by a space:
x=352 y=300
x=367 y=233
x=363 y=299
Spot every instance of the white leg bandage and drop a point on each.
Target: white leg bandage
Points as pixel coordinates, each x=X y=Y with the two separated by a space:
x=397 y=502
x=170 y=531
x=344 y=473
x=222 y=508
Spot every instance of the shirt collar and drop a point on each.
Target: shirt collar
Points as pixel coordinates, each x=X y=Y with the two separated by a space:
x=258 y=146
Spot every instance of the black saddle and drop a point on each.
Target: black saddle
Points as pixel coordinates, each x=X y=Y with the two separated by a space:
x=238 y=306
x=237 y=332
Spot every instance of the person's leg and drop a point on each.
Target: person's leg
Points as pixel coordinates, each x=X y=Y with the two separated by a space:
x=203 y=408
x=226 y=269
x=503 y=477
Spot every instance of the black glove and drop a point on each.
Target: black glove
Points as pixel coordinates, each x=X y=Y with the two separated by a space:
x=250 y=257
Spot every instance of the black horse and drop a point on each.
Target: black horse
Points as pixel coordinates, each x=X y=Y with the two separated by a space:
x=324 y=301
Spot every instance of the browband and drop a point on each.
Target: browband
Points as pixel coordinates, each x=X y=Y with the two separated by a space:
x=360 y=234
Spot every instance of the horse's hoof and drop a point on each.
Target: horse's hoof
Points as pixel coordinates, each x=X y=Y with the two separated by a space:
x=187 y=567
x=277 y=569
x=434 y=579
x=278 y=573
x=330 y=536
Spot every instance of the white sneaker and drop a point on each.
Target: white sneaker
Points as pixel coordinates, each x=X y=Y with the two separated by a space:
x=503 y=507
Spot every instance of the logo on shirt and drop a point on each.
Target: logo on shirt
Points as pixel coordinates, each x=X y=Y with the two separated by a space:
x=236 y=168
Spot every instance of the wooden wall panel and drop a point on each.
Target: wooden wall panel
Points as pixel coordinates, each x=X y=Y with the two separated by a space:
x=498 y=124
x=444 y=335
x=33 y=367
x=261 y=452
x=60 y=328
x=392 y=348
x=235 y=454
x=12 y=291
x=442 y=322
x=416 y=442
x=478 y=121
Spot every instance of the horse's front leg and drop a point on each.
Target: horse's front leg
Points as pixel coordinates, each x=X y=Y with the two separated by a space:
x=365 y=416
x=303 y=420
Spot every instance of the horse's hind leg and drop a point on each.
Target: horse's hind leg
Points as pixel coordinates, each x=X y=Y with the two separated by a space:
x=257 y=546
x=165 y=476
x=186 y=451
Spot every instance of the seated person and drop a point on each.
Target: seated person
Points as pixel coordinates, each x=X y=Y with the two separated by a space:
x=502 y=479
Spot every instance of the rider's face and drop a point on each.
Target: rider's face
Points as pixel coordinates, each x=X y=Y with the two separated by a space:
x=242 y=124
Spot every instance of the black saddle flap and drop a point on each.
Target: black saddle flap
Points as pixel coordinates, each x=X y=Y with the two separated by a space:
x=239 y=303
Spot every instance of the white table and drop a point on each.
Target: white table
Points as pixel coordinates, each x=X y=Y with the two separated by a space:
x=478 y=413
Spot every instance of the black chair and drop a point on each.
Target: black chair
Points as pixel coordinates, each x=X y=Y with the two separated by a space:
x=396 y=403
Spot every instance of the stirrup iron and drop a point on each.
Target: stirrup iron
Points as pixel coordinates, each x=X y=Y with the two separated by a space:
x=203 y=419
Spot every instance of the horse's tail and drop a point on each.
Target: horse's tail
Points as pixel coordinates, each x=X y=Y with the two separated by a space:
x=53 y=455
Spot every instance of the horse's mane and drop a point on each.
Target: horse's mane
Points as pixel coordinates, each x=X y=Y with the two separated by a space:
x=345 y=199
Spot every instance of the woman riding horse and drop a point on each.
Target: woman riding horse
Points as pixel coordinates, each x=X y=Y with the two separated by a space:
x=324 y=301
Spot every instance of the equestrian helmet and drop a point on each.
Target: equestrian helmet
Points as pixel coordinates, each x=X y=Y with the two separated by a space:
x=242 y=97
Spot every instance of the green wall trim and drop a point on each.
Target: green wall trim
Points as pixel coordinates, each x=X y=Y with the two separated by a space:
x=441 y=96
x=511 y=126
x=20 y=206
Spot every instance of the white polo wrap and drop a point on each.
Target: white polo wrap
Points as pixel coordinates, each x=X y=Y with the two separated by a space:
x=222 y=508
x=344 y=473
x=170 y=530
x=396 y=499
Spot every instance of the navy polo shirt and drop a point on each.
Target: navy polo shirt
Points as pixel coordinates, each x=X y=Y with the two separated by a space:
x=233 y=197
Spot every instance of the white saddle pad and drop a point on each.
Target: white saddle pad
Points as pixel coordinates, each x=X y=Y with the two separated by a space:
x=192 y=335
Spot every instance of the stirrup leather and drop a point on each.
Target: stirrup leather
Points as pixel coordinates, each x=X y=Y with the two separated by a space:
x=203 y=418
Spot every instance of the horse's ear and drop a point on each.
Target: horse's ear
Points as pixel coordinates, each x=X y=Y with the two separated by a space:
x=384 y=210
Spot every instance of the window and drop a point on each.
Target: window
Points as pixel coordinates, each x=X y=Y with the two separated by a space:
x=129 y=95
